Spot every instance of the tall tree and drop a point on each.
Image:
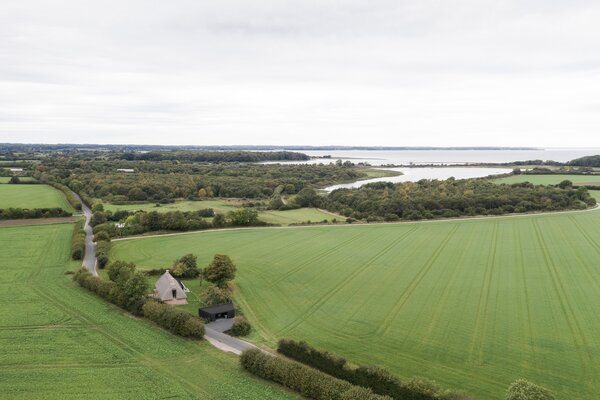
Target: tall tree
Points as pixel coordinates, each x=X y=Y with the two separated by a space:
x=220 y=270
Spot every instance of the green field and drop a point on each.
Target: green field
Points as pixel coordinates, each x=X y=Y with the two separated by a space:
x=220 y=206
x=60 y=342
x=473 y=304
x=6 y=179
x=296 y=216
x=32 y=196
x=551 y=179
x=223 y=206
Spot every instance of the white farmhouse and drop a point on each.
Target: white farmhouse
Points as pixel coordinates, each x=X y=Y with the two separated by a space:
x=170 y=290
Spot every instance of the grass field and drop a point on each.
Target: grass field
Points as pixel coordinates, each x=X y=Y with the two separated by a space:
x=473 y=304
x=6 y=179
x=551 y=179
x=60 y=342
x=223 y=206
x=296 y=216
x=32 y=196
x=220 y=206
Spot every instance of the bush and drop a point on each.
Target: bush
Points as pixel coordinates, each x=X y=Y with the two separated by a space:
x=176 y=321
x=215 y=295
x=308 y=382
x=78 y=242
x=102 y=235
x=377 y=379
x=185 y=267
x=241 y=326
x=525 y=390
x=102 y=250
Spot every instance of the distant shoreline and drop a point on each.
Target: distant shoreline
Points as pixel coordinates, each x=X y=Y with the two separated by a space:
x=83 y=146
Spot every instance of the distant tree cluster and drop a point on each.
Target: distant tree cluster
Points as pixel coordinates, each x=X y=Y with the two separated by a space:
x=452 y=198
x=588 y=161
x=213 y=156
x=162 y=181
x=127 y=223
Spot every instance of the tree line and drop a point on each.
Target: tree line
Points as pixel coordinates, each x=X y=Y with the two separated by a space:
x=213 y=156
x=427 y=199
x=28 y=213
x=166 y=180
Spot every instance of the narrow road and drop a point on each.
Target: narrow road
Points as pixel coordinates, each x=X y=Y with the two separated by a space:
x=214 y=334
x=89 y=260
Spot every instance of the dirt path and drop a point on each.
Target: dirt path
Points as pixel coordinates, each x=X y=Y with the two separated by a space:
x=342 y=225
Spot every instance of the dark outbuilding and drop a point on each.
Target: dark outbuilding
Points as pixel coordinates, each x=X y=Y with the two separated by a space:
x=218 y=311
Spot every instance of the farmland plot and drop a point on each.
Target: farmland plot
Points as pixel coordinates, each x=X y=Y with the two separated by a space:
x=473 y=304
x=60 y=342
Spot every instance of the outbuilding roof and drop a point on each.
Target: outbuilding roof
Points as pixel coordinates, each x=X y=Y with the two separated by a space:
x=218 y=308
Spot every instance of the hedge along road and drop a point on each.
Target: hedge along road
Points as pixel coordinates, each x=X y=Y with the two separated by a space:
x=473 y=304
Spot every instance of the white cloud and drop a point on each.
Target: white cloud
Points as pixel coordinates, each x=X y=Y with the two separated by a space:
x=301 y=72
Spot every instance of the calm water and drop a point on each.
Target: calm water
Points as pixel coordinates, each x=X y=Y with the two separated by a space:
x=406 y=157
x=416 y=174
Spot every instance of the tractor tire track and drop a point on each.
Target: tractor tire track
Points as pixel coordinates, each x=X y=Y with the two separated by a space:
x=321 y=301
x=316 y=257
x=385 y=325
x=484 y=296
x=120 y=343
x=528 y=312
x=567 y=309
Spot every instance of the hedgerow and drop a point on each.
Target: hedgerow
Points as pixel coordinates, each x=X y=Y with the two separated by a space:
x=307 y=381
x=29 y=213
x=377 y=379
x=176 y=321
x=78 y=241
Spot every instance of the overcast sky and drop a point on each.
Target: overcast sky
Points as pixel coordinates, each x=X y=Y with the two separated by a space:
x=347 y=72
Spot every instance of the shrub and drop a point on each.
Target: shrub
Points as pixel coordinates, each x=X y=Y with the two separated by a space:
x=176 y=321
x=240 y=327
x=215 y=295
x=185 y=267
x=102 y=235
x=525 y=390
x=78 y=242
x=102 y=250
x=308 y=382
